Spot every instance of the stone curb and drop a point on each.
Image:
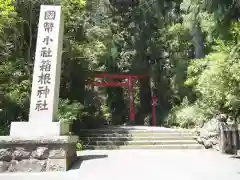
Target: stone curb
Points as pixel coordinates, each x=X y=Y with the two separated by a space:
x=38 y=140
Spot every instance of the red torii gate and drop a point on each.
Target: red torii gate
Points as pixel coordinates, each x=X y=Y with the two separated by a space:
x=129 y=84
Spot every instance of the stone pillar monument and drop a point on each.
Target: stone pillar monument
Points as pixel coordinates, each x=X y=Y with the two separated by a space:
x=42 y=143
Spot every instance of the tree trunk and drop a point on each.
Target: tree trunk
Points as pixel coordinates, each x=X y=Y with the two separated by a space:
x=198 y=41
x=145 y=100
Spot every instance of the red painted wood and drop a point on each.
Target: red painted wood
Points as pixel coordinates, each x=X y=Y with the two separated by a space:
x=119 y=76
x=109 y=84
x=154 y=103
x=129 y=84
x=131 y=96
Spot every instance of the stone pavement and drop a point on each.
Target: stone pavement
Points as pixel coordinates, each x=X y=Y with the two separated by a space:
x=145 y=164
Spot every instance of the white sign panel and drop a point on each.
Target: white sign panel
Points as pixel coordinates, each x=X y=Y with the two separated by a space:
x=47 y=67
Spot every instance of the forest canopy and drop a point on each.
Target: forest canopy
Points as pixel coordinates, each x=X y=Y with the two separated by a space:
x=190 y=49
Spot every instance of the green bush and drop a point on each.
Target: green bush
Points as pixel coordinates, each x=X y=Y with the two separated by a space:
x=190 y=116
x=69 y=111
x=186 y=115
x=79 y=145
x=216 y=78
x=218 y=84
x=215 y=81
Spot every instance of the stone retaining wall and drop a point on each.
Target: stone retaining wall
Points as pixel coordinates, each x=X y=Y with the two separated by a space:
x=37 y=154
x=220 y=135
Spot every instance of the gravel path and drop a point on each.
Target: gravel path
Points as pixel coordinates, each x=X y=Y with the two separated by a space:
x=145 y=165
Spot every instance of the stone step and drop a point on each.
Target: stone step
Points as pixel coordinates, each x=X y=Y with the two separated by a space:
x=152 y=142
x=139 y=138
x=138 y=134
x=134 y=131
x=172 y=146
x=136 y=138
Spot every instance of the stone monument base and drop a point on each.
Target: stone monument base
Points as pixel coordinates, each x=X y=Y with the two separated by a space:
x=37 y=154
x=39 y=129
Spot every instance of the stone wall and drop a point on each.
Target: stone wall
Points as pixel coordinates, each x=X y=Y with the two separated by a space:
x=221 y=134
x=37 y=154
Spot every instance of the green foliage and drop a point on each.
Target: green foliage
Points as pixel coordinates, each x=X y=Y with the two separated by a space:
x=7 y=12
x=69 y=111
x=79 y=146
x=198 y=66
x=216 y=78
x=107 y=116
x=186 y=115
x=218 y=85
x=153 y=37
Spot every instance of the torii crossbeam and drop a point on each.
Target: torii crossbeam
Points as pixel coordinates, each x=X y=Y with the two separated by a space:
x=129 y=83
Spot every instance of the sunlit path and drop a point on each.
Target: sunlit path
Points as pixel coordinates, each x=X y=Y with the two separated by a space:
x=145 y=164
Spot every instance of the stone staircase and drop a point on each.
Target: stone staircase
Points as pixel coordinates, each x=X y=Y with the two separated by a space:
x=138 y=138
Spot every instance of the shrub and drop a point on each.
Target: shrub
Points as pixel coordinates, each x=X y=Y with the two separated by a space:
x=69 y=111
x=186 y=115
x=217 y=86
